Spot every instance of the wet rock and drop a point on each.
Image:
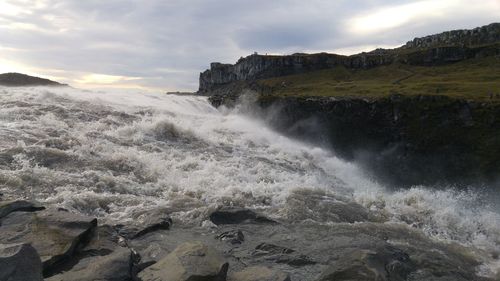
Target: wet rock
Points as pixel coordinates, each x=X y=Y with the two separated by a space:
x=230 y=215
x=56 y=235
x=103 y=258
x=154 y=225
x=105 y=238
x=20 y=262
x=279 y=254
x=116 y=266
x=273 y=249
x=259 y=273
x=384 y=264
x=233 y=237
x=8 y=207
x=189 y=261
x=318 y=205
x=147 y=222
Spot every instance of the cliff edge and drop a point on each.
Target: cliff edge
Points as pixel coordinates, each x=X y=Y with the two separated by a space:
x=427 y=112
x=440 y=49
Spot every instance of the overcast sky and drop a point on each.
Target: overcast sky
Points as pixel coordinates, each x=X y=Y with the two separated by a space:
x=165 y=44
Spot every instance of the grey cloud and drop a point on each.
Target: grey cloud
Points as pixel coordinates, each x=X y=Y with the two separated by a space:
x=145 y=38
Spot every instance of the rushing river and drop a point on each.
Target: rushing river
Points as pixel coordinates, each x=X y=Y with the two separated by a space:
x=113 y=154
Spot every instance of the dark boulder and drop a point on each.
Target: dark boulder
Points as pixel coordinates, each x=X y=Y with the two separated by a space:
x=8 y=207
x=147 y=222
x=230 y=215
x=55 y=234
x=19 y=262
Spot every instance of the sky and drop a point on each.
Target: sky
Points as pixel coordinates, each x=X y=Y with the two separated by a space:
x=163 y=45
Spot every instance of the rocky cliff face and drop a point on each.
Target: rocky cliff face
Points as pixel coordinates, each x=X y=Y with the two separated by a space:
x=418 y=139
x=465 y=37
x=403 y=140
x=447 y=47
x=263 y=66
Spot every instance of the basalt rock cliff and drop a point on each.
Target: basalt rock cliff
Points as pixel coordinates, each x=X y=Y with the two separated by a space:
x=405 y=139
x=447 y=47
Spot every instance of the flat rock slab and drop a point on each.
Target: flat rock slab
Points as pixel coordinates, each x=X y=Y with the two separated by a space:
x=55 y=234
x=385 y=264
x=259 y=273
x=20 y=262
x=189 y=261
x=279 y=254
x=116 y=266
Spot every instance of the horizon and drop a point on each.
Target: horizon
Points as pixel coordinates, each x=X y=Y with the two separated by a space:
x=164 y=46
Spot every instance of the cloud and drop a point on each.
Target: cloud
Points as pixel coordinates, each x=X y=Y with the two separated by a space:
x=165 y=44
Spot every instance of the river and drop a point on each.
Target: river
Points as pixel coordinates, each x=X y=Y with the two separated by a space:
x=112 y=154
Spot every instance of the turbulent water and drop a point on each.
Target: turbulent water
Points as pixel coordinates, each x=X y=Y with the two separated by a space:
x=116 y=154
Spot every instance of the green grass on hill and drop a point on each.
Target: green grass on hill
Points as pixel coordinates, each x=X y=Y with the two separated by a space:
x=470 y=79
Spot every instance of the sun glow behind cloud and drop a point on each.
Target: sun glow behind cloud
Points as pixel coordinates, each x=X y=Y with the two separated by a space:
x=95 y=80
x=9 y=9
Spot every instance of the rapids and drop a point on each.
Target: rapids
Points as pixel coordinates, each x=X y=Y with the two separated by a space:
x=113 y=154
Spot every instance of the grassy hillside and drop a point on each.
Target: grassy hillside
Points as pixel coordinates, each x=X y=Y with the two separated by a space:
x=473 y=79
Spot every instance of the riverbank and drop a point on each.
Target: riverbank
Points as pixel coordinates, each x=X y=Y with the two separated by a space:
x=232 y=244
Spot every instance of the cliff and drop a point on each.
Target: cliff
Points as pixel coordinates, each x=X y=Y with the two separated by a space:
x=18 y=80
x=263 y=66
x=444 y=48
x=487 y=34
x=425 y=113
x=401 y=140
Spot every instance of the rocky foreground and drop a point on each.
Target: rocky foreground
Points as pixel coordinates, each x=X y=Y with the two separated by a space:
x=38 y=243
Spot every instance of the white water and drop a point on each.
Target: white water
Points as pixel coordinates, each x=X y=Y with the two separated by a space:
x=116 y=154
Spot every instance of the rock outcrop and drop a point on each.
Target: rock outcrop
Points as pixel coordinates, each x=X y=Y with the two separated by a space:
x=403 y=140
x=447 y=47
x=20 y=80
x=384 y=264
x=115 y=266
x=227 y=215
x=55 y=234
x=8 y=207
x=487 y=34
x=189 y=261
x=262 y=66
x=259 y=273
x=20 y=262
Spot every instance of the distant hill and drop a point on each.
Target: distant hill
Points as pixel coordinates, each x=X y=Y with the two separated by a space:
x=19 y=80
